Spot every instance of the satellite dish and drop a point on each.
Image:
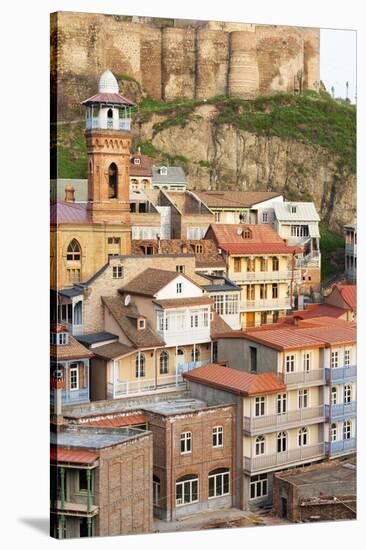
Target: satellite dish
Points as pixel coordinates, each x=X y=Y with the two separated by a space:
x=127 y=300
x=239 y=231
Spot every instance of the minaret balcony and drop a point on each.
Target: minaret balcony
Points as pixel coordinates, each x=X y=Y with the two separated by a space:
x=98 y=123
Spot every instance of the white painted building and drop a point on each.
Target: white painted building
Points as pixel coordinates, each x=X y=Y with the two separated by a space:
x=350 y=258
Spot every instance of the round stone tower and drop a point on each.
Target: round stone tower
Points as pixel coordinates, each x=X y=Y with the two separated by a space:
x=212 y=63
x=243 y=71
x=178 y=63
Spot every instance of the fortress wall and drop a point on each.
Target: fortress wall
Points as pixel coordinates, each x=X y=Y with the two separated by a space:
x=151 y=63
x=280 y=55
x=212 y=51
x=243 y=78
x=178 y=63
x=311 y=58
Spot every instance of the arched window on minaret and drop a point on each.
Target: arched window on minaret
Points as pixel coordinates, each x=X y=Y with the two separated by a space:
x=112 y=181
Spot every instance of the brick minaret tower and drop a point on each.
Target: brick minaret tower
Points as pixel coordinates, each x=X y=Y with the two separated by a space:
x=108 y=138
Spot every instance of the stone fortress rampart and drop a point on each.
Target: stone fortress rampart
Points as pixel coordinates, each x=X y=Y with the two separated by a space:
x=188 y=60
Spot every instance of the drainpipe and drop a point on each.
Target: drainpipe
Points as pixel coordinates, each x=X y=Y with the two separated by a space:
x=62 y=475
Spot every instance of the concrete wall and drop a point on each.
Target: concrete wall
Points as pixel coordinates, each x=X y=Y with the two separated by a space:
x=237 y=353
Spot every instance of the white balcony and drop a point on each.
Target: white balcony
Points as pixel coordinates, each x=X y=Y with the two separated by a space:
x=259 y=276
x=264 y=305
x=261 y=424
x=185 y=337
x=99 y=123
x=292 y=456
x=314 y=377
x=123 y=388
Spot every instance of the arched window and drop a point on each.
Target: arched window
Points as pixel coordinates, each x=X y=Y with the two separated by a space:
x=140 y=365
x=303 y=437
x=281 y=442
x=259 y=445
x=219 y=482
x=156 y=490
x=112 y=181
x=186 y=490
x=164 y=362
x=73 y=251
x=78 y=314
x=195 y=354
x=334 y=395
x=333 y=432
x=347 y=394
x=347 y=429
x=110 y=113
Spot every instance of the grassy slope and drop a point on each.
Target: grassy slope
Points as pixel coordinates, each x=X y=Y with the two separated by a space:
x=330 y=244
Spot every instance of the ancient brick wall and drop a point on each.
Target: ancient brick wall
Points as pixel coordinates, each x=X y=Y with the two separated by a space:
x=179 y=62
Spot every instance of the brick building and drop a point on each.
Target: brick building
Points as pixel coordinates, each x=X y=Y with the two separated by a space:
x=100 y=482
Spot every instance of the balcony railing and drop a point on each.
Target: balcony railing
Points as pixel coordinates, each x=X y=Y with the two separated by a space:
x=351 y=248
x=108 y=124
x=339 y=375
x=341 y=446
x=185 y=336
x=314 y=376
x=300 y=454
x=185 y=367
x=257 y=305
x=261 y=424
x=341 y=410
x=73 y=396
x=142 y=385
x=265 y=275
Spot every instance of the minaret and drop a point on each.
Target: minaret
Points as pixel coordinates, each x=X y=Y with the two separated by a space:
x=108 y=138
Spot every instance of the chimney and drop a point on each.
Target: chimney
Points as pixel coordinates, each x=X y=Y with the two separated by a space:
x=69 y=193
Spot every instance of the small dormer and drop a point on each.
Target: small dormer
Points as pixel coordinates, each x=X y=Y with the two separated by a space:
x=163 y=171
x=141 y=322
x=247 y=233
x=59 y=335
x=293 y=208
x=136 y=161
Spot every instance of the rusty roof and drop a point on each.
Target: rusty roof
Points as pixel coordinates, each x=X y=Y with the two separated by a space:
x=119 y=421
x=236 y=381
x=151 y=280
x=349 y=295
x=235 y=199
x=74 y=456
x=142 y=169
x=315 y=310
x=113 y=350
x=218 y=325
x=69 y=212
x=184 y=302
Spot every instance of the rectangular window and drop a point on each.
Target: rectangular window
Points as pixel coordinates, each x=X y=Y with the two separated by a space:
x=307 y=361
x=218 y=436
x=219 y=303
x=274 y=290
x=259 y=406
x=290 y=363
x=265 y=217
x=179 y=288
x=281 y=403
x=258 y=486
x=74 y=378
x=333 y=433
x=275 y=264
x=263 y=292
x=217 y=217
x=303 y=399
x=199 y=248
x=231 y=304
x=335 y=359
x=156 y=493
x=185 y=442
x=253 y=359
x=263 y=263
x=179 y=268
x=83 y=480
x=347 y=357
x=237 y=265
x=251 y=265
x=218 y=484
x=73 y=275
x=117 y=272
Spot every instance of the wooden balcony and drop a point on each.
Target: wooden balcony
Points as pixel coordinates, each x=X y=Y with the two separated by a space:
x=264 y=305
x=263 y=424
x=292 y=456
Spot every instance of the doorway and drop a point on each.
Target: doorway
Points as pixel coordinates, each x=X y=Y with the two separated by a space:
x=283 y=511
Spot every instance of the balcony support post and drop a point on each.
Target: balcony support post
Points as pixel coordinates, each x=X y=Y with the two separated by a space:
x=88 y=484
x=62 y=479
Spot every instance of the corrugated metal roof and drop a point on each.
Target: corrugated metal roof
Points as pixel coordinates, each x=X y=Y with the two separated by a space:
x=349 y=295
x=74 y=456
x=175 y=174
x=305 y=211
x=260 y=248
x=96 y=337
x=69 y=212
x=113 y=99
x=235 y=199
x=119 y=421
x=236 y=381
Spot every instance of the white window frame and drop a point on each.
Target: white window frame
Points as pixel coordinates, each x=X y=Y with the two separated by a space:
x=156 y=492
x=259 y=406
x=333 y=432
x=282 y=438
x=260 y=445
x=335 y=359
x=217 y=217
x=179 y=288
x=334 y=395
x=215 y=478
x=347 y=357
x=217 y=436
x=264 y=217
x=260 y=484
x=290 y=364
x=303 y=398
x=281 y=403
x=186 y=440
x=190 y=483
x=303 y=437
x=307 y=361
x=73 y=370
x=347 y=393
x=219 y=303
x=117 y=272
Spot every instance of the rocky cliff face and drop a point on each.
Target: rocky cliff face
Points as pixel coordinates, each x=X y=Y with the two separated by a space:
x=225 y=157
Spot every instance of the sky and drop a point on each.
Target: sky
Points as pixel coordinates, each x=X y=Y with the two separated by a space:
x=338 y=61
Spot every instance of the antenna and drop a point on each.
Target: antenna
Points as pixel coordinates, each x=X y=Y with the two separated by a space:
x=127 y=300
x=239 y=231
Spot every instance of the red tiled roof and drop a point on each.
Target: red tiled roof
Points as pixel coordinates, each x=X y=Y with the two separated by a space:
x=142 y=169
x=349 y=295
x=119 y=421
x=236 y=381
x=320 y=310
x=117 y=99
x=76 y=456
x=58 y=327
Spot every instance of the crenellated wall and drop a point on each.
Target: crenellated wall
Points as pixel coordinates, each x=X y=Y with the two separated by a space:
x=196 y=61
